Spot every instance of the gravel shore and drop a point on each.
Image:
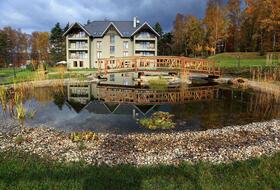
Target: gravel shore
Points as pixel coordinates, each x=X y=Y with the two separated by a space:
x=217 y=146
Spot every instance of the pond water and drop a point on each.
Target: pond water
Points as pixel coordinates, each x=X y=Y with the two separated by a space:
x=116 y=109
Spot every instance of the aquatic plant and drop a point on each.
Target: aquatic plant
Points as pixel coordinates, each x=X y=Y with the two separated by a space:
x=3 y=98
x=19 y=139
x=31 y=113
x=21 y=113
x=83 y=136
x=159 y=120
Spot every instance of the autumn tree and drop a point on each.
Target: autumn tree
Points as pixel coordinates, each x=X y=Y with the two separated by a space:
x=40 y=48
x=193 y=35
x=216 y=24
x=13 y=47
x=235 y=18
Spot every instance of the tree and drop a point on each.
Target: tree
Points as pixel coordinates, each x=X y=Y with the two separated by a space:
x=234 y=15
x=178 y=35
x=165 y=44
x=57 y=44
x=64 y=42
x=40 y=48
x=193 y=34
x=216 y=24
x=158 y=29
x=3 y=49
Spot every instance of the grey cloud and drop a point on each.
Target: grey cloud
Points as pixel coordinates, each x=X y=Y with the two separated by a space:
x=41 y=15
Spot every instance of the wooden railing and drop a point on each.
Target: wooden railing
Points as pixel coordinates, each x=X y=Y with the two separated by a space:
x=157 y=63
x=149 y=96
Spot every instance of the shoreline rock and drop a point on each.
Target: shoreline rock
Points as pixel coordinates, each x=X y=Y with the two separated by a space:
x=224 y=145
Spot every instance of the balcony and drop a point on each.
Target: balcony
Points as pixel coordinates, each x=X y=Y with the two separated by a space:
x=78 y=57
x=77 y=37
x=74 y=47
x=140 y=47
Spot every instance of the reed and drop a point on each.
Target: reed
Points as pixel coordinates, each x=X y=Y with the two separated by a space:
x=3 y=98
x=266 y=74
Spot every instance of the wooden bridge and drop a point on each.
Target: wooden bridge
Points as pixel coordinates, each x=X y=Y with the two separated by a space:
x=158 y=63
x=149 y=96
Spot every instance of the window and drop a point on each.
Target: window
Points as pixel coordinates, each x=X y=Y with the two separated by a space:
x=99 y=54
x=125 y=45
x=112 y=77
x=81 y=63
x=112 y=38
x=112 y=49
x=125 y=53
x=99 y=44
x=75 y=63
x=112 y=61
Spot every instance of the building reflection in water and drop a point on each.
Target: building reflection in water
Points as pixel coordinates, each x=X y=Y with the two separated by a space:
x=128 y=100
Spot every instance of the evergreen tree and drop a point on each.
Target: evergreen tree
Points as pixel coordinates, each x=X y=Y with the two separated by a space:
x=158 y=29
x=57 y=43
x=3 y=49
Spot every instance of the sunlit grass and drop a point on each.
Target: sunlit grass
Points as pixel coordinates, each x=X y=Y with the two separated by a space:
x=23 y=171
x=246 y=59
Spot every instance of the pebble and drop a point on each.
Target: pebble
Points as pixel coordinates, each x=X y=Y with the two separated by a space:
x=217 y=145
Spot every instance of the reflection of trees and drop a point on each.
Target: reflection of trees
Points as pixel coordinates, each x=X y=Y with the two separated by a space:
x=232 y=108
x=59 y=99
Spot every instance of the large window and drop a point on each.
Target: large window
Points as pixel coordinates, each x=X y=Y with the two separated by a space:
x=125 y=45
x=112 y=49
x=99 y=44
x=99 y=54
x=125 y=53
x=112 y=38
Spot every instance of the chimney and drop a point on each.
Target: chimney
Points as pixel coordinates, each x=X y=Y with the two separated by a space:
x=135 y=22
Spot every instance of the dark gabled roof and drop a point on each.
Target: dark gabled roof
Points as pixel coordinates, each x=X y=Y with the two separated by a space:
x=124 y=28
x=98 y=28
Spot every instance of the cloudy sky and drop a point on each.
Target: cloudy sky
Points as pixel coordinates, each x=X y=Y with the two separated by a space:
x=41 y=15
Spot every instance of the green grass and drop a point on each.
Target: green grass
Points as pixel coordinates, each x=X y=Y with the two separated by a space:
x=227 y=60
x=21 y=76
x=22 y=171
x=7 y=75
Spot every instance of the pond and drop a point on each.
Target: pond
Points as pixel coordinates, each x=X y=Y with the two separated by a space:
x=118 y=109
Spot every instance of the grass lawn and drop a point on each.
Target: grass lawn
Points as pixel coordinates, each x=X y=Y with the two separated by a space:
x=7 y=75
x=22 y=171
x=226 y=60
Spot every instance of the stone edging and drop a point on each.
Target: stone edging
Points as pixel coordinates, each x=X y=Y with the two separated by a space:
x=216 y=146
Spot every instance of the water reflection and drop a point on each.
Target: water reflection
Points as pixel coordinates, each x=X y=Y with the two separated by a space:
x=102 y=108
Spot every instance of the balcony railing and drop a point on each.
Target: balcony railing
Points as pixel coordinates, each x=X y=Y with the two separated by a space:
x=149 y=47
x=78 y=47
x=78 y=57
x=77 y=36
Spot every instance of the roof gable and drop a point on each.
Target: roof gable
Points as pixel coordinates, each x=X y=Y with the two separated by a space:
x=114 y=26
x=80 y=26
x=97 y=29
x=142 y=26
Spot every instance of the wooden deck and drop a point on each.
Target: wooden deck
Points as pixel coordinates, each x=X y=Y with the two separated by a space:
x=158 y=63
x=149 y=96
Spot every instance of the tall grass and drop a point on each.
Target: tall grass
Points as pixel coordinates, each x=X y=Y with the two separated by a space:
x=265 y=74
